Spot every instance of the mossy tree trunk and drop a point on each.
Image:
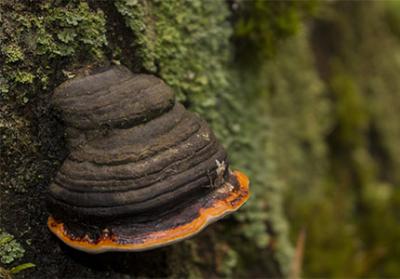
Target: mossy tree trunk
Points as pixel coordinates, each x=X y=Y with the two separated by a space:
x=186 y=43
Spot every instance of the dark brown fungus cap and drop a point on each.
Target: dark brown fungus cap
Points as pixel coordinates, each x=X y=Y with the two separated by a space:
x=142 y=172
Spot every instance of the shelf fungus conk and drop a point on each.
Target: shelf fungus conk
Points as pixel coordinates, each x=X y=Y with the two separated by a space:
x=142 y=172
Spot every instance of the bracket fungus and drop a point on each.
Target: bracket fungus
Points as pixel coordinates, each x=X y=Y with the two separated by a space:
x=142 y=172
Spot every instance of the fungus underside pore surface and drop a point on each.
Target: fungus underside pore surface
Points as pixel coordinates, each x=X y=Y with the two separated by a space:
x=171 y=227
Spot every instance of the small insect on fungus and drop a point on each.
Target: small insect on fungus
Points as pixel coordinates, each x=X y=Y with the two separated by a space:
x=156 y=176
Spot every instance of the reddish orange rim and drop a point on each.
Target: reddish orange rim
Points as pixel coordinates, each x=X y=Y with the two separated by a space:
x=220 y=208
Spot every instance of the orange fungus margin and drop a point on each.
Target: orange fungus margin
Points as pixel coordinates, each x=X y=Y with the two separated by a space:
x=236 y=197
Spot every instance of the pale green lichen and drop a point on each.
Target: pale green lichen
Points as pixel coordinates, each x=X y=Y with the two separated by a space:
x=13 y=53
x=23 y=77
x=187 y=44
x=174 y=40
x=10 y=249
x=46 y=35
x=33 y=53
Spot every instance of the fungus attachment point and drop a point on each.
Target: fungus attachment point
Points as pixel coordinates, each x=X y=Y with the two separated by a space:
x=142 y=172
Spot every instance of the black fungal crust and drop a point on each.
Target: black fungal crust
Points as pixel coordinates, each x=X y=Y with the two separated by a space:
x=152 y=159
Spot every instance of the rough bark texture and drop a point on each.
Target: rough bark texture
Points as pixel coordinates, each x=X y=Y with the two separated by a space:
x=304 y=97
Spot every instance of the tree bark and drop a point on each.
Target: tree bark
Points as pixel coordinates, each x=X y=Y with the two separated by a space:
x=187 y=44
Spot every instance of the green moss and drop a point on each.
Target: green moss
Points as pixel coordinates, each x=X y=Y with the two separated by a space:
x=34 y=52
x=289 y=118
x=298 y=109
x=392 y=17
x=47 y=34
x=357 y=193
x=351 y=111
x=263 y=25
x=187 y=44
x=39 y=40
x=174 y=40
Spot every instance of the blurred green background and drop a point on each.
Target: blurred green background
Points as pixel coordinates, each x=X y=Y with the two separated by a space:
x=330 y=82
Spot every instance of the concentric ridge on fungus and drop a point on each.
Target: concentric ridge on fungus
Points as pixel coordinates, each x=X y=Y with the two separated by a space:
x=143 y=172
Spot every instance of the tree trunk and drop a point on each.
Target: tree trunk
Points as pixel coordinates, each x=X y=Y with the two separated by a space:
x=187 y=44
